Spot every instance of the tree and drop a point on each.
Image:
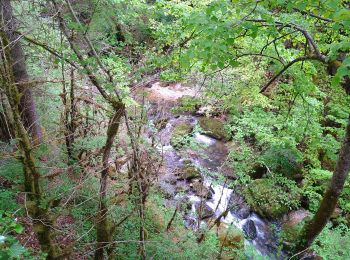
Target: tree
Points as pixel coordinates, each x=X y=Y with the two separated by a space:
x=42 y=219
x=27 y=105
x=330 y=198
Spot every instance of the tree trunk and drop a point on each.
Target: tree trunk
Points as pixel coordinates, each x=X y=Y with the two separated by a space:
x=6 y=130
x=27 y=105
x=103 y=227
x=313 y=228
x=42 y=221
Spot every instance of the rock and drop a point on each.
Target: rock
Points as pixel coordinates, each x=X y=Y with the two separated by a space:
x=249 y=229
x=269 y=201
x=201 y=190
x=291 y=226
x=188 y=104
x=179 y=132
x=243 y=213
x=241 y=208
x=161 y=123
x=229 y=236
x=214 y=128
x=185 y=205
x=295 y=217
x=204 y=211
x=206 y=111
x=167 y=190
x=188 y=172
x=182 y=188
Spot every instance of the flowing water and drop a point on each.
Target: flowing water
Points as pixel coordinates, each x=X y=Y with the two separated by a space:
x=209 y=158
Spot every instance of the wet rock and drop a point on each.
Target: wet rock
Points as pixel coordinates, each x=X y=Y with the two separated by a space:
x=267 y=200
x=238 y=206
x=243 y=213
x=161 y=123
x=204 y=211
x=179 y=132
x=188 y=172
x=185 y=205
x=182 y=188
x=249 y=229
x=201 y=190
x=214 y=128
x=190 y=222
x=167 y=190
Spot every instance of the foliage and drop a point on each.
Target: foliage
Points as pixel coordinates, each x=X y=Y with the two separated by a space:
x=333 y=243
x=273 y=196
x=10 y=248
x=286 y=132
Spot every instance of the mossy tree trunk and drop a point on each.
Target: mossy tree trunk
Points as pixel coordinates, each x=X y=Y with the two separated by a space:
x=104 y=227
x=42 y=220
x=313 y=228
x=27 y=105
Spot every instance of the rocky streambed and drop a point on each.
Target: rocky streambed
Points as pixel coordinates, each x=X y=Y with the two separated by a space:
x=197 y=178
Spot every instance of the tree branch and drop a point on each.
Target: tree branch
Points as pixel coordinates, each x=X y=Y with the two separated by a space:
x=287 y=66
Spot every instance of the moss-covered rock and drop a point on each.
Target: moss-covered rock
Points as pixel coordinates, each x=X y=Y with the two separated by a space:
x=229 y=236
x=188 y=104
x=269 y=199
x=188 y=172
x=179 y=132
x=214 y=128
x=201 y=190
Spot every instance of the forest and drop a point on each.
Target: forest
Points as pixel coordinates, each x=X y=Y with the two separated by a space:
x=175 y=129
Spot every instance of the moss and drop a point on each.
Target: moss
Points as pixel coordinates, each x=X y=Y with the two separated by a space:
x=179 y=132
x=214 y=128
x=268 y=199
x=229 y=236
x=189 y=171
x=188 y=104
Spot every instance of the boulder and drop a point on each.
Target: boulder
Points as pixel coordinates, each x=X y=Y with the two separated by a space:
x=188 y=172
x=241 y=208
x=167 y=190
x=179 y=132
x=249 y=229
x=201 y=190
x=269 y=200
x=188 y=104
x=291 y=226
x=295 y=217
x=214 y=128
x=229 y=236
x=204 y=211
x=243 y=213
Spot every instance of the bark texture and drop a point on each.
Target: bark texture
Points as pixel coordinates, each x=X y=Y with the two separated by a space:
x=27 y=106
x=313 y=228
x=104 y=227
x=42 y=220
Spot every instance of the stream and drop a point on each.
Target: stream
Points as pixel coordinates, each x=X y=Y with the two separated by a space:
x=210 y=157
